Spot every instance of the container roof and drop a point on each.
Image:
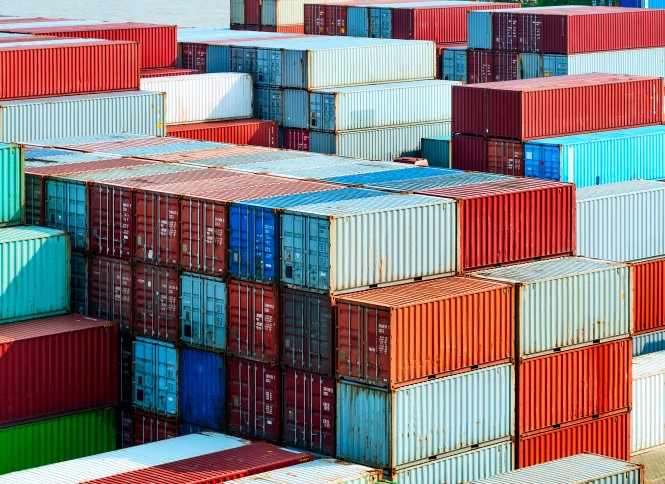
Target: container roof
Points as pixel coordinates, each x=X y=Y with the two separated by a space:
x=600 y=136
x=648 y=365
x=618 y=189
x=368 y=205
x=27 y=232
x=38 y=328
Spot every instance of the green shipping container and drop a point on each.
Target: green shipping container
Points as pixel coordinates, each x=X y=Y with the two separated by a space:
x=34 y=273
x=57 y=439
x=436 y=151
x=12 y=185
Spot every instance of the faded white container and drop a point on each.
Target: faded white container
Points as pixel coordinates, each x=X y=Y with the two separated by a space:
x=287 y=12
x=567 y=302
x=381 y=144
x=647 y=418
x=321 y=471
x=622 y=221
x=634 y=62
x=204 y=97
x=236 y=12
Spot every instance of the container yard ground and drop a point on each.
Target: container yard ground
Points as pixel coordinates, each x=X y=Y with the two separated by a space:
x=654 y=465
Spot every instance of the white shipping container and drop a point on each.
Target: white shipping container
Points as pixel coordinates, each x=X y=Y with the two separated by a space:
x=237 y=11
x=204 y=97
x=634 y=62
x=622 y=221
x=320 y=471
x=287 y=12
x=647 y=418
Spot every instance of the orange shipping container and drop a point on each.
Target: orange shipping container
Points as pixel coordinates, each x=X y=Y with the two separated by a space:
x=403 y=334
x=648 y=295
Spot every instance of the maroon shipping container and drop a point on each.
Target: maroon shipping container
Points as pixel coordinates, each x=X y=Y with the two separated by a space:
x=505 y=157
x=158 y=42
x=253 y=28
x=254 y=399
x=283 y=29
x=166 y=72
x=529 y=33
x=296 y=139
x=138 y=428
x=506 y=66
x=156 y=302
x=514 y=220
x=648 y=295
x=253 y=13
x=157 y=227
x=479 y=66
x=308 y=411
x=315 y=19
x=62 y=68
x=111 y=294
x=126 y=360
x=308 y=331
x=574 y=386
x=556 y=106
x=469 y=153
x=504 y=31
x=240 y=132
x=57 y=365
x=335 y=18
x=608 y=436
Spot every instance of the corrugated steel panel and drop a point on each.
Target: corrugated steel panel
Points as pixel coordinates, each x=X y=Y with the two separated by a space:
x=204 y=97
x=333 y=170
x=202 y=388
x=286 y=164
x=12 y=202
x=453 y=64
x=432 y=182
x=622 y=221
x=505 y=157
x=111 y=290
x=649 y=295
x=468 y=152
x=479 y=34
x=323 y=471
x=336 y=228
x=295 y=139
x=28 y=254
x=286 y=12
x=79 y=283
x=650 y=342
x=567 y=302
x=166 y=71
x=480 y=66
x=358 y=21
x=379 y=178
x=156 y=376
x=237 y=12
x=269 y=103
x=437 y=151
x=139 y=428
x=203 y=305
x=156 y=301
x=636 y=62
x=647 y=418
x=91 y=114
x=296 y=108
x=426 y=420
x=248 y=132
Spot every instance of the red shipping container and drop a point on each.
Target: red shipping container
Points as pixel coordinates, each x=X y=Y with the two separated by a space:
x=253 y=321
x=504 y=31
x=469 y=153
x=283 y=29
x=295 y=139
x=193 y=55
x=608 y=436
x=506 y=66
x=126 y=360
x=166 y=72
x=156 y=302
x=111 y=294
x=308 y=331
x=335 y=18
x=514 y=220
x=479 y=66
x=529 y=33
x=648 y=295
x=61 y=68
x=157 y=227
x=505 y=157
x=158 y=42
x=315 y=19
x=559 y=390
x=308 y=411
x=400 y=335
x=240 y=132
x=254 y=399
x=252 y=12
x=124 y=143
x=138 y=428
x=57 y=365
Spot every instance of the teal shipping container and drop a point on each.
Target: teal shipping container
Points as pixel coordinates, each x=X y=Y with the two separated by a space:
x=34 y=273
x=203 y=302
x=155 y=376
x=453 y=64
x=12 y=185
x=646 y=343
x=437 y=151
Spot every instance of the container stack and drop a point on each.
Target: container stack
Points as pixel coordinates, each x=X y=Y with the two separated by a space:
x=285 y=16
x=647 y=427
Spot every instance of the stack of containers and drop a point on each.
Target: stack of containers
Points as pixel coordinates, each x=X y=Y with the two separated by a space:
x=647 y=426
x=285 y=16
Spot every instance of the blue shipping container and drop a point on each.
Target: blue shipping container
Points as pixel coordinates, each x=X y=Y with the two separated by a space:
x=269 y=104
x=380 y=23
x=530 y=65
x=437 y=151
x=357 y=22
x=377 y=178
x=453 y=64
x=202 y=384
x=12 y=184
x=646 y=343
x=155 y=376
x=479 y=30
x=203 y=311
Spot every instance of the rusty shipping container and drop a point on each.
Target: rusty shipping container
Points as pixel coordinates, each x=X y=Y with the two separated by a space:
x=240 y=132
x=399 y=335
x=111 y=292
x=648 y=295
x=156 y=302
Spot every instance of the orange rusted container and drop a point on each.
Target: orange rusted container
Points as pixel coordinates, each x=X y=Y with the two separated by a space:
x=398 y=335
x=648 y=295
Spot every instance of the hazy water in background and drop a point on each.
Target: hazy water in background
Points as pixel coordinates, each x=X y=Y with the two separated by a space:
x=184 y=13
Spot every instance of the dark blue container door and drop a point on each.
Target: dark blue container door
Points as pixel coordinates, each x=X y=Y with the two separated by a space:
x=202 y=383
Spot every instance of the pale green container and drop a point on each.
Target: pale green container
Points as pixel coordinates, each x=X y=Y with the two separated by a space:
x=34 y=273
x=12 y=185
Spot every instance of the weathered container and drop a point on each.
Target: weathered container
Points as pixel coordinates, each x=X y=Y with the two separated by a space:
x=568 y=302
x=28 y=254
x=254 y=399
x=650 y=342
x=453 y=64
x=469 y=152
x=203 y=305
x=489 y=240
x=505 y=157
x=156 y=301
x=531 y=66
x=204 y=97
x=296 y=108
x=202 y=388
x=12 y=171
x=636 y=62
x=156 y=370
x=139 y=428
x=336 y=226
x=308 y=411
x=250 y=132
x=384 y=336
x=420 y=422
x=386 y=143
x=608 y=436
x=166 y=71
x=91 y=114
x=646 y=418
x=269 y=103
x=89 y=66
x=111 y=290
x=56 y=439
x=479 y=66
x=635 y=209
x=437 y=151
x=336 y=109
x=295 y=139
x=522 y=110
x=589 y=381
x=577 y=469
x=320 y=470
x=337 y=167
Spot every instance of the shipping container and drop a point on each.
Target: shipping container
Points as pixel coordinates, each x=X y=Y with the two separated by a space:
x=568 y=302
x=249 y=132
x=608 y=436
x=28 y=254
x=156 y=376
x=469 y=152
x=522 y=110
x=431 y=182
x=417 y=423
x=56 y=439
x=79 y=283
x=636 y=62
x=479 y=66
x=156 y=302
x=646 y=418
x=295 y=139
x=315 y=237
x=400 y=335
x=453 y=64
x=402 y=172
x=322 y=471
x=634 y=209
x=559 y=390
x=269 y=104
x=12 y=196
x=285 y=13
x=650 y=342
x=146 y=428
x=111 y=290
x=203 y=305
x=202 y=388
x=166 y=71
x=335 y=168
x=648 y=279
x=125 y=373
x=308 y=411
x=139 y=112
x=296 y=108
x=505 y=157
x=254 y=399
x=437 y=151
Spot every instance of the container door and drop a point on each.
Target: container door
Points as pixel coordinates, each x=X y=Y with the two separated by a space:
x=237 y=12
x=505 y=157
x=155 y=377
x=306 y=252
x=111 y=220
x=269 y=12
x=358 y=21
x=156 y=302
x=157 y=236
x=79 y=283
x=203 y=311
x=34 y=200
x=375 y=23
x=252 y=12
x=269 y=67
x=530 y=66
x=202 y=388
x=202 y=236
x=529 y=28
x=111 y=291
x=386 y=23
x=66 y=209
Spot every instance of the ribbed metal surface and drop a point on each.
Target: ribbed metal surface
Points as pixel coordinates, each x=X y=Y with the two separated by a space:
x=433 y=182
x=269 y=103
x=286 y=12
x=418 y=422
x=649 y=295
x=284 y=166
x=647 y=419
x=322 y=471
x=622 y=221
x=296 y=108
x=636 y=62
x=355 y=168
x=203 y=311
x=437 y=151
x=155 y=376
x=12 y=201
x=378 y=178
x=646 y=343
x=479 y=30
x=567 y=302
x=202 y=388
